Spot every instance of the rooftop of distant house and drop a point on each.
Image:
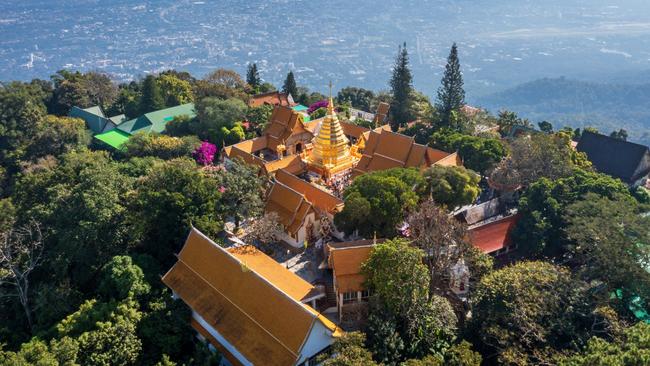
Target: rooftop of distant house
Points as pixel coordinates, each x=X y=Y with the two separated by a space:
x=625 y=160
x=494 y=235
x=274 y=98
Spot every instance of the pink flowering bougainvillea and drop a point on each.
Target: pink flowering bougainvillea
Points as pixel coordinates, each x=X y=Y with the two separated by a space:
x=320 y=104
x=205 y=153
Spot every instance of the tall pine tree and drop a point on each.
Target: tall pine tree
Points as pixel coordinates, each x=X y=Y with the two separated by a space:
x=290 y=86
x=253 y=76
x=451 y=95
x=152 y=99
x=401 y=84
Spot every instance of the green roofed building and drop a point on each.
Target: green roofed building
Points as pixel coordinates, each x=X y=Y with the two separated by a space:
x=95 y=119
x=114 y=138
x=300 y=108
x=156 y=121
x=148 y=122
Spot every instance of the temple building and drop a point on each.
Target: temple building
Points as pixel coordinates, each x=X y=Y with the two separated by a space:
x=248 y=306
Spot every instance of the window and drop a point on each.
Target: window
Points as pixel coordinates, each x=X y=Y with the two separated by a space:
x=349 y=297
x=365 y=294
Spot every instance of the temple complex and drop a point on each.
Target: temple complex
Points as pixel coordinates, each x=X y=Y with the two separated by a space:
x=311 y=163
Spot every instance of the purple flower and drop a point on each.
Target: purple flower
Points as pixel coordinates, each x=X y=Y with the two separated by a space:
x=320 y=104
x=204 y=154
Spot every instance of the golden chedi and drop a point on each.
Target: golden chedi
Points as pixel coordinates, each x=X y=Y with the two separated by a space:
x=331 y=148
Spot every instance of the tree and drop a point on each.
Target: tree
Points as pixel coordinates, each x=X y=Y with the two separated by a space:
x=540 y=156
x=80 y=204
x=214 y=115
x=173 y=197
x=480 y=154
x=451 y=95
x=81 y=90
x=401 y=84
x=399 y=282
x=253 y=76
x=450 y=186
x=632 y=349
x=443 y=238
x=122 y=279
x=161 y=146
x=375 y=203
x=259 y=117
x=530 y=311
x=21 y=114
x=619 y=135
x=508 y=120
x=152 y=98
x=609 y=241
x=21 y=251
x=289 y=86
x=545 y=126
x=242 y=191
x=348 y=350
x=223 y=84
x=57 y=136
x=265 y=230
x=113 y=342
x=461 y=354
x=38 y=352
x=100 y=89
x=174 y=91
x=165 y=329
x=359 y=98
x=543 y=206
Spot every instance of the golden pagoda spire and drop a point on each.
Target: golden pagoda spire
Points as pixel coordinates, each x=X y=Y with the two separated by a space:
x=330 y=105
x=331 y=152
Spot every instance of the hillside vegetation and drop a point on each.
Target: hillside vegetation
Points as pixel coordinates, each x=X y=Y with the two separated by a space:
x=561 y=101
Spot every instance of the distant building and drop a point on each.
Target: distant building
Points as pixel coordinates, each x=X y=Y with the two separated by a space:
x=620 y=159
x=345 y=260
x=248 y=306
x=274 y=98
x=149 y=122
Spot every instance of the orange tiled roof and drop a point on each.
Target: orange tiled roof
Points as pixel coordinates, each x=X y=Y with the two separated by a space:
x=271 y=98
x=386 y=149
x=495 y=235
x=346 y=263
x=291 y=206
x=292 y=163
x=316 y=196
x=284 y=123
x=244 y=299
x=350 y=129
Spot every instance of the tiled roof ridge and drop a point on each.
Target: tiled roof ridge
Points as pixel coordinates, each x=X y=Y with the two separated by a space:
x=313 y=314
x=302 y=199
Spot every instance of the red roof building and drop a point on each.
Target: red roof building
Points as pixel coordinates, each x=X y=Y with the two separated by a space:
x=494 y=237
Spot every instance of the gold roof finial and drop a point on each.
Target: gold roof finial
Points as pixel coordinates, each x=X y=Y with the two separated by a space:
x=330 y=105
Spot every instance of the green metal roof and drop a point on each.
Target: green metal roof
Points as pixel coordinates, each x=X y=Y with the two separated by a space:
x=156 y=121
x=118 y=119
x=114 y=138
x=300 y=108
x=93 y=116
